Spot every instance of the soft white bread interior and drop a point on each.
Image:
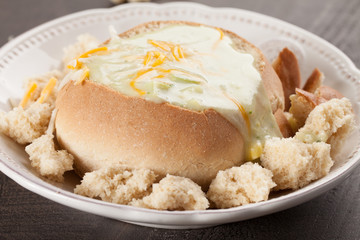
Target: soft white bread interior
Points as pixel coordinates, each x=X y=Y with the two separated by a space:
x=101 y=126
x=242 y=185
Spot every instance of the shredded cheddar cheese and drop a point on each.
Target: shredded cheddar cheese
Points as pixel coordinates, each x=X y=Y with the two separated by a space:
x=28 y=94
x=73 y=64
x=85 y=55
x=138 y=75
x=181 y=52
x=160 y=58
x=160 y=76
x=47 y=90
x=157 y=56
x=220 y=38
x=221 y=33
x=148 y=57
x=164 y=70
x=84 y=75
x=175 y=50
x=160 y=44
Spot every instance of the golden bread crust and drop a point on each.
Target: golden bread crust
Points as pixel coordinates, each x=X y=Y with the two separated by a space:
x=283 y=123
x=287 y=68
x=100 y=126
x=314 y=81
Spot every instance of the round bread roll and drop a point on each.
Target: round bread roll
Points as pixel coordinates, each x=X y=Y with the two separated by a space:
x=102 y=126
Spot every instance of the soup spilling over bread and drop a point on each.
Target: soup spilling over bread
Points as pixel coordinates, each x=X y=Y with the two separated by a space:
x=177 y=98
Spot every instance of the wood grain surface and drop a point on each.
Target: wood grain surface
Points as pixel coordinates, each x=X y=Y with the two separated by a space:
x=334 y=215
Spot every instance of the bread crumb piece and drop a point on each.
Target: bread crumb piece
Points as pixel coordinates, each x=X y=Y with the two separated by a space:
x=48 y=161
x=116 y=184
x=236 y=186
x=84 y=43
x=174 y=193
x=329 y=122
x=25 y=125
x=294 y=163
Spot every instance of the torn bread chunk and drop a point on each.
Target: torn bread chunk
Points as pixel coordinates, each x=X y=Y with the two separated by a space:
x=174 y=193
x=314 y=81
x=329 y=122
x=327 y=93
x=302 y=103
x=295 y=164
x=314 y=85
x=236 y=186
x=48 y=161
x=116 y=184
x=84 y=43
x=299 y=110
x=25 y=125
x=284 y=124
x=287 y=68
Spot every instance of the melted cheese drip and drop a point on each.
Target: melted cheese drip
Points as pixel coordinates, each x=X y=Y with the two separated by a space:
x=194 y=67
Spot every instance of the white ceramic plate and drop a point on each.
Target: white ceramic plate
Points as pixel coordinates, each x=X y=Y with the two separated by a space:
x=40 y=49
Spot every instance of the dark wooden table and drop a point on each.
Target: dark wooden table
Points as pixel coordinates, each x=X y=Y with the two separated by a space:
x=334 y=215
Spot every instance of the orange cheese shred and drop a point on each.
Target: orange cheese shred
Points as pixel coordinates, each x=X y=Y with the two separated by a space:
x=149 y=56
x=160 y=76
x=173 y=51
x=164 y=70
x=176 y=51
x=27 y=95
x=181 y=52
x=160 y=44
x=221 y=38
x=160 y=58
x=139 y=74
x=47 y=90
x=85 y=55
x=221 y=33
x=73 y=64
x=84 y=75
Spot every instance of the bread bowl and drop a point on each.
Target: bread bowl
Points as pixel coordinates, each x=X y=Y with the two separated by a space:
x=101 y=123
